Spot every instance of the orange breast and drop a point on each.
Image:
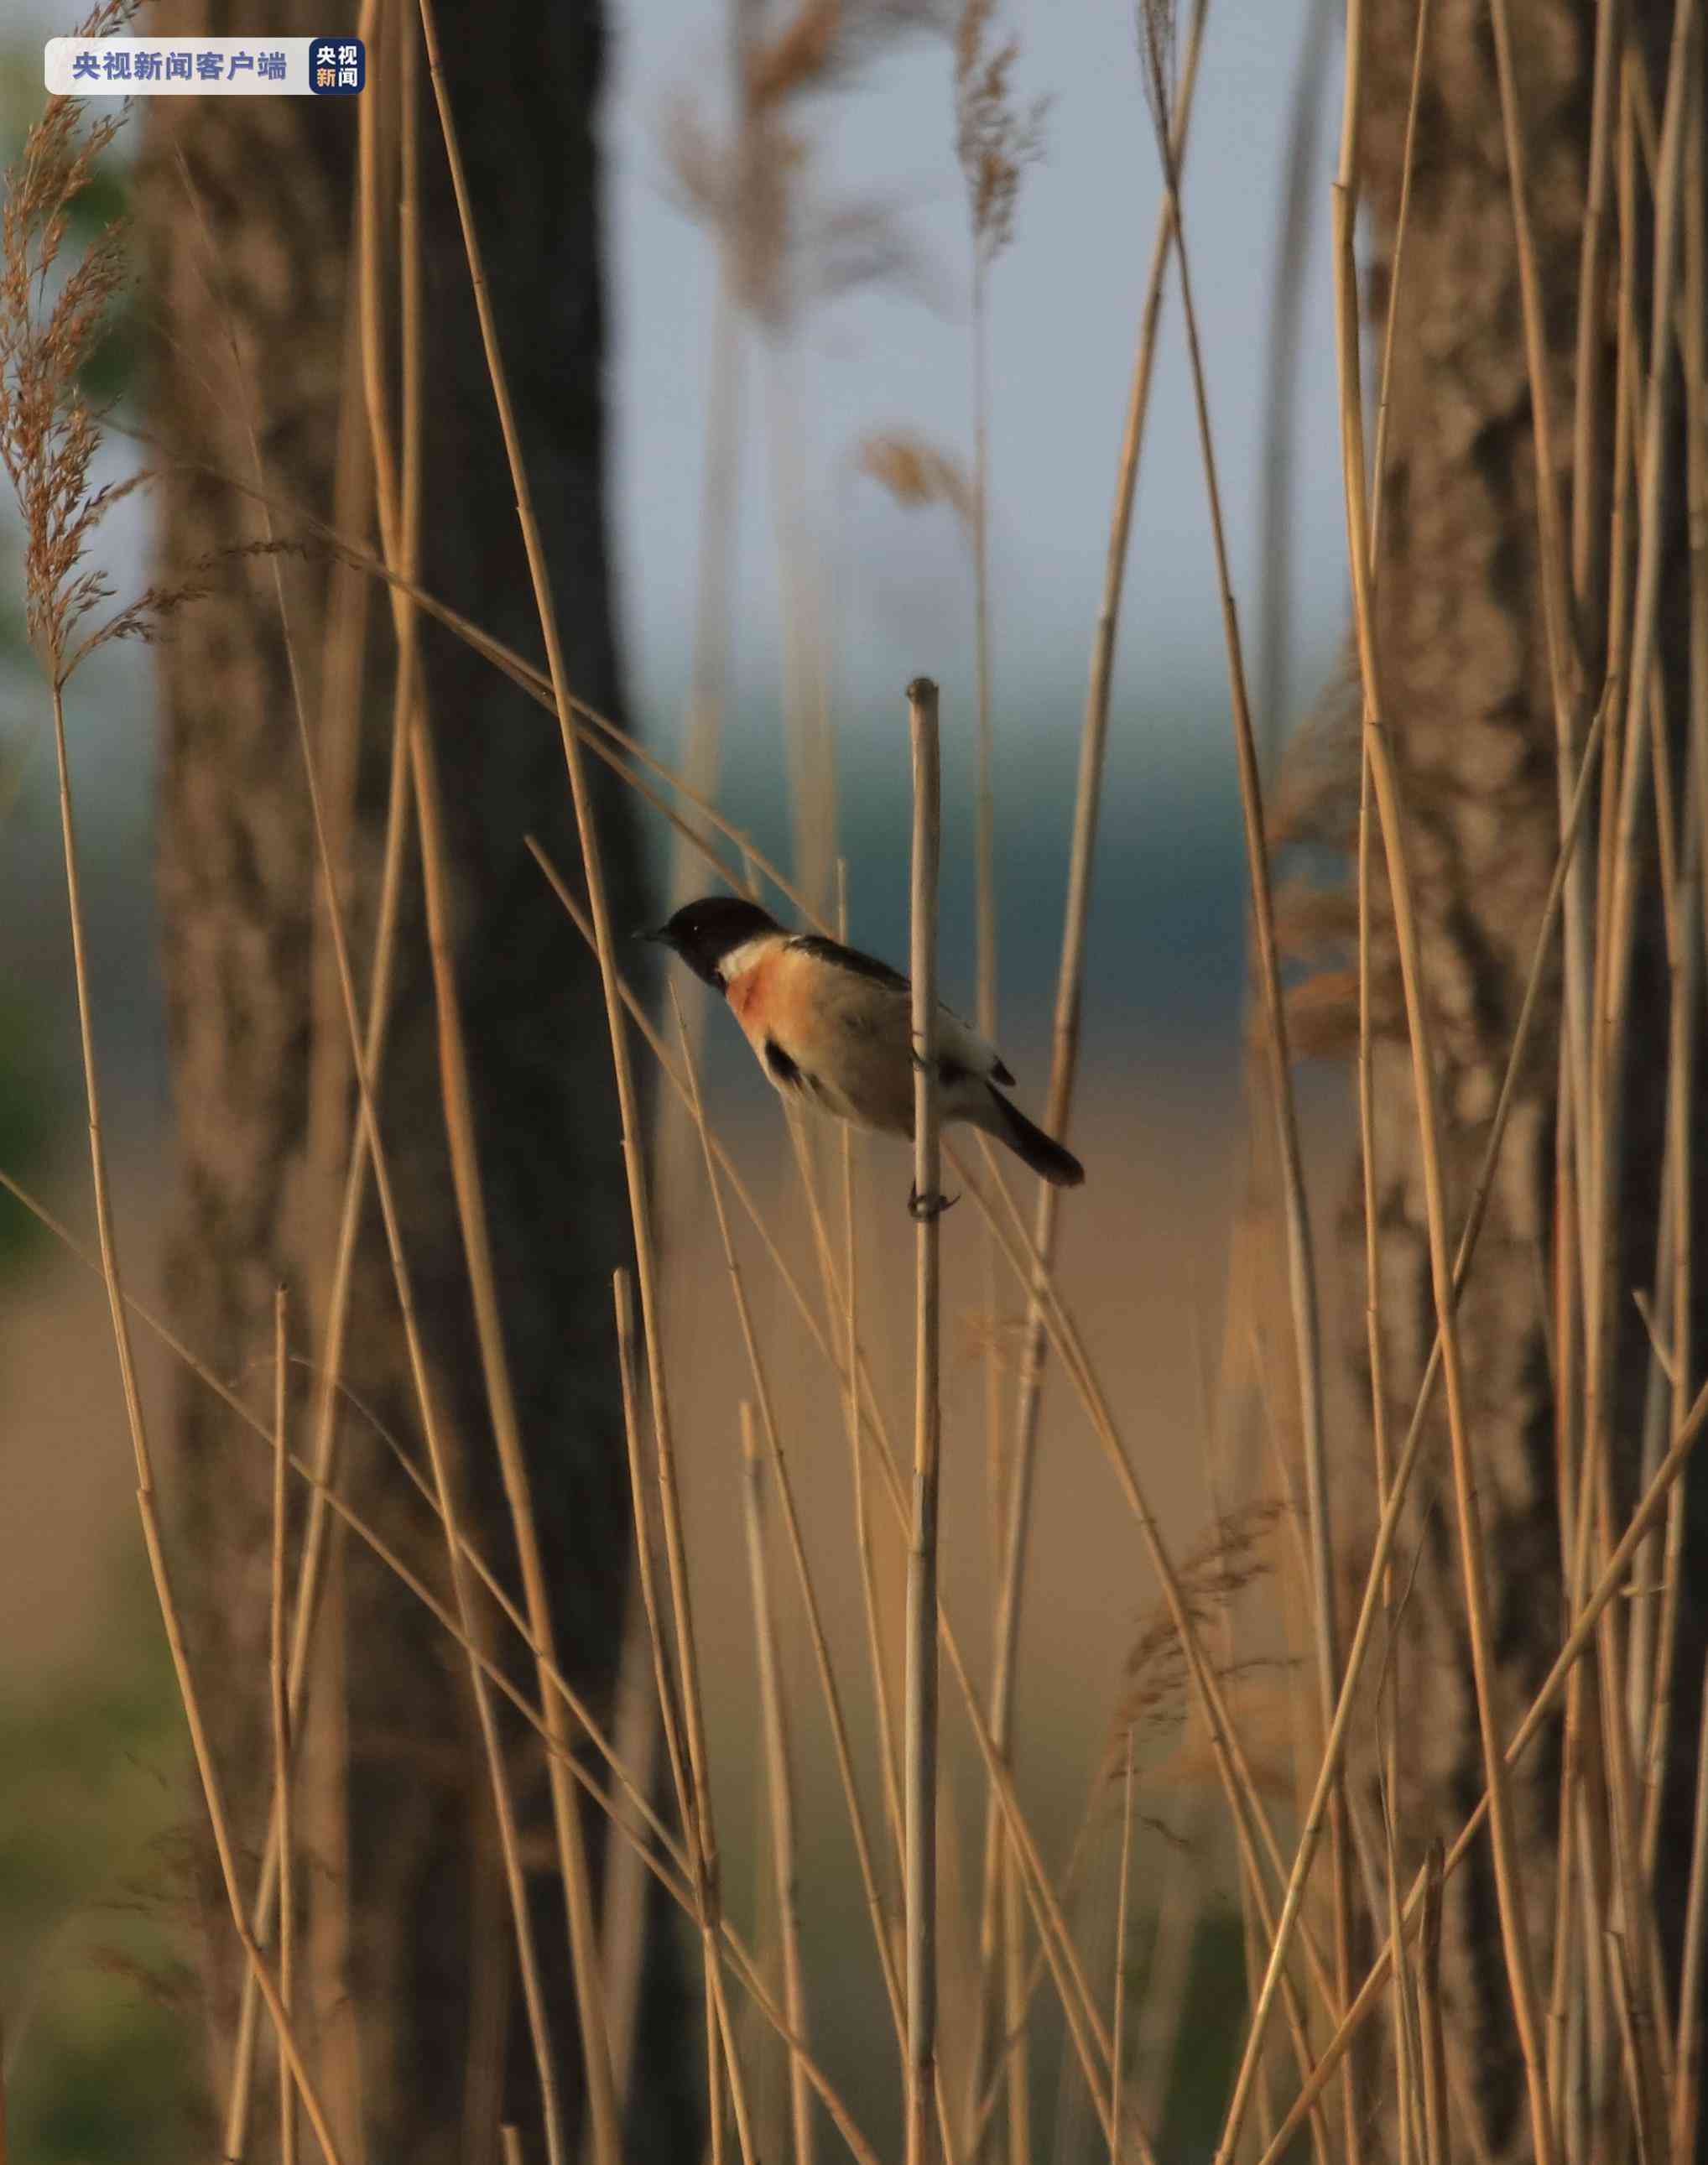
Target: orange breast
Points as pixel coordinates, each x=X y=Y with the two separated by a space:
x=775 y=999
x=750 y=996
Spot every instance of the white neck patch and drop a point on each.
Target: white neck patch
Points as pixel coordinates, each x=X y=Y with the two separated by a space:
x=747 y=954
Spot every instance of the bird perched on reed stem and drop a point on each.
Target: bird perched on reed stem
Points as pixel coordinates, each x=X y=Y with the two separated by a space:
x=833 y=1029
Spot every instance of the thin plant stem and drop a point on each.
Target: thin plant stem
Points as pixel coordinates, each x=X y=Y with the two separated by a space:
x=1288 y=288
x=281 y=1725
x=669 y=1715
x=882 y=1717
x=1434 y=2055
x=1695 y=369
x=920 y=1712
x=779 y=1784
x=1117 y=2023
x=623 y=1933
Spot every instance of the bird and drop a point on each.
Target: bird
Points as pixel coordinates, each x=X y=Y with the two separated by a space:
x=833 y=1029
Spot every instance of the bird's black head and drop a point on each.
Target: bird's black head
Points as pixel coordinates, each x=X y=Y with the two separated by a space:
x=702 y=933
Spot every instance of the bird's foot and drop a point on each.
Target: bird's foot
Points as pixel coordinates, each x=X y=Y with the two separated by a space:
x=924 y=1207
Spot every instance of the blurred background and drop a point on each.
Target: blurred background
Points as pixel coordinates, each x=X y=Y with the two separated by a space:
x=93 y=1793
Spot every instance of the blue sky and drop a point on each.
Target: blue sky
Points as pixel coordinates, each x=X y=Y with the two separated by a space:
x=1064 y=311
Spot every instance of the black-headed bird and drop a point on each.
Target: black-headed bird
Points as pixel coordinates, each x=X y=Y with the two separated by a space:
x=833 y=1028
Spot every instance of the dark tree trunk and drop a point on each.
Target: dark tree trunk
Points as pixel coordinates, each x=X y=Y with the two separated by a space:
x=1465 y=679
x=402 y=1894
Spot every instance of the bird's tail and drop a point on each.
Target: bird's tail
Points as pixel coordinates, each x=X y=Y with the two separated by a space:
x=1050 y=1160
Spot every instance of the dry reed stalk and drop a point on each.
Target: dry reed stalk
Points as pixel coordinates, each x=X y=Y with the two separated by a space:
x=779 y=1784
x=1388 y=1715
x=1117 y=2022
x=1578 y=1641
x=785 y=1489
x=1288 y=286
x=920 y=1712
x=1157 y=61
x=399 y=531
x=1378 y=461
x=1435 y=2101
x=1652 y=2033
x=645 y=1577
x=882 y=1717
x=1588 y=526
x=636 y=1731
x=1406 y=2099
x=281 y=1726
x=1695 y=355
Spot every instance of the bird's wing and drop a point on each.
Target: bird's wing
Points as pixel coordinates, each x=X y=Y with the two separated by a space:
x=851 y=958
x=963 y=1046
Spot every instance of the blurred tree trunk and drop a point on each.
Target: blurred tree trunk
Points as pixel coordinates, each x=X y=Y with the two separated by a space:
x=1466 y=682
x=248 y=205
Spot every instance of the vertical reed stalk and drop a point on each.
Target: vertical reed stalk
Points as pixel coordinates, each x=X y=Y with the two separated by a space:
x=779 y=1785
x=920 y=1719
x=882 y=1717
x=1117 y=2023
x=1435 y=2073
x=282 y=1727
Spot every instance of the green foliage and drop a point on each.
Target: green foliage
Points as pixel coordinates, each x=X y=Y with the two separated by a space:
x=95 y=1988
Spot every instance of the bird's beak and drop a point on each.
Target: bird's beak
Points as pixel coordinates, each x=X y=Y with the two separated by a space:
x=645 y=935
